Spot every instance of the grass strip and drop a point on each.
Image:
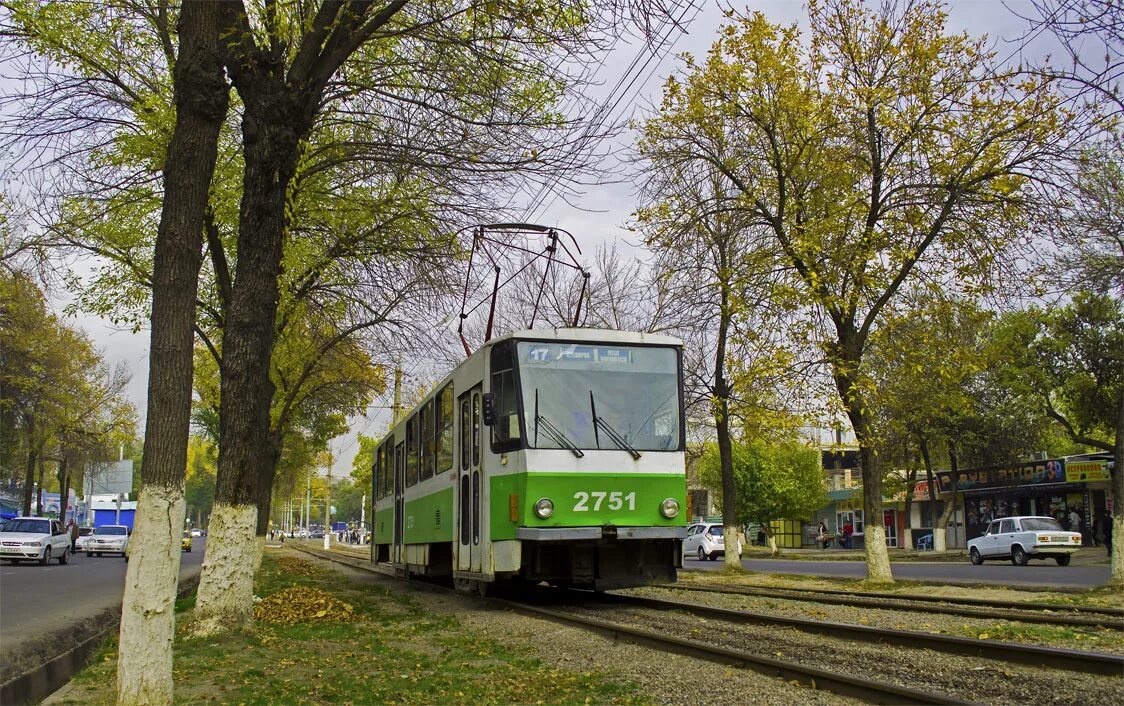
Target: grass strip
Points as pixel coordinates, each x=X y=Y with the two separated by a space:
x=383 y=648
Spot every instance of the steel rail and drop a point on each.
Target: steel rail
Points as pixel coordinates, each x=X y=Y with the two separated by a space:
x=1074 y=660
x=983 y=602
x=928 y=605
x=867 y=689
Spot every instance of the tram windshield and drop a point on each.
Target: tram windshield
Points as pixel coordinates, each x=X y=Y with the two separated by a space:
x=631 y=391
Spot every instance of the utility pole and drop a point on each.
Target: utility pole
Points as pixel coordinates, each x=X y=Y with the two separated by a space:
x=328 y=501
x=308 y=506
x=397 y=409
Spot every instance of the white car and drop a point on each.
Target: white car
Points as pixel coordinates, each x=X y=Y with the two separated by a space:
x=196 y=532
x=706 y=541
x=107 y=539
x=34 y=539
x=1021 y=539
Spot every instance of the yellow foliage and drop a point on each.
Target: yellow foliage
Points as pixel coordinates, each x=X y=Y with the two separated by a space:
x=301 y=604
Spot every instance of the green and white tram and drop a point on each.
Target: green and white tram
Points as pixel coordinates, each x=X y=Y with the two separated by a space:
x=550 y=456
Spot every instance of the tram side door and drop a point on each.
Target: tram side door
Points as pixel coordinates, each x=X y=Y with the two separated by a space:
x=399 y=500
x=469 y=481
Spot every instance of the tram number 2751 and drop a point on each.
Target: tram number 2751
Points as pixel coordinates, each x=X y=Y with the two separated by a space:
x=617 y=500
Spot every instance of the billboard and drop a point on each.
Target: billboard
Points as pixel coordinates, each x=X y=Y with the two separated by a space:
x=109 y=478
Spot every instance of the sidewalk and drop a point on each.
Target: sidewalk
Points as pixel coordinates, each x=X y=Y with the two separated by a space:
x=1084 y=557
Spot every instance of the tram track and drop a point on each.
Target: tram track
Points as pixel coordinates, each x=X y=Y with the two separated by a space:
x=950 y=671
x=867 y=689
x=1073 y=660
x=1042 y=613
x=768 y=647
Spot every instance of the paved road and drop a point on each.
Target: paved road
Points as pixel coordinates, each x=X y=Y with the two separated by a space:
x=1036 y=573
x=35 y=600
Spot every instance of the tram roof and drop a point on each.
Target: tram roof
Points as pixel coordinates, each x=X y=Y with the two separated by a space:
x=593 y=335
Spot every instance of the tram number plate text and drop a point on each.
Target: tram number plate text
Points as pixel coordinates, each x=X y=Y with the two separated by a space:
x=593 y=500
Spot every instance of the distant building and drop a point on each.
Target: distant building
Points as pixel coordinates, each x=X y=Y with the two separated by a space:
x=105 y=511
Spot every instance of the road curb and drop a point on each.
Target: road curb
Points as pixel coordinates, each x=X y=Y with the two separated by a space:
x=35 y=685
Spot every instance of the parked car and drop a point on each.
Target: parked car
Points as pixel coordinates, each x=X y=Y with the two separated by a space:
x=196 y=532
x=185 y=543
x=1021 y=539
x=34 y=539
x=84 y=534
x=107 y=539
x=706 y=541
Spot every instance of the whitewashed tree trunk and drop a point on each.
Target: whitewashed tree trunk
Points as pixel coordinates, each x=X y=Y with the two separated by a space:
x=940 y=544
x=732 y=558
x=260 y=541
x=907 y=539
x=1117 y=551
x=225 y=599
x=877 y=557
x=148 y=615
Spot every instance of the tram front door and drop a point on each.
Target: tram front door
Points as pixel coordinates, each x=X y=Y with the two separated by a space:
x=399 y=500
x=468 y=483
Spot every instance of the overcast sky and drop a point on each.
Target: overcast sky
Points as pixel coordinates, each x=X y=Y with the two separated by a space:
x=604 y=210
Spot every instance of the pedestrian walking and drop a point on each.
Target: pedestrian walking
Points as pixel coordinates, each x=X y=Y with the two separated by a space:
x=73 y=531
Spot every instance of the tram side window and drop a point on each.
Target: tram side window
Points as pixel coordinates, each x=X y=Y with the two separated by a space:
x=385 y=458
x=506 y=433
x=443 y=427
x=425 y=441
x=476 y=429
x=432 y=437
x=412 y=451
x=466 y=435
x=377 y=474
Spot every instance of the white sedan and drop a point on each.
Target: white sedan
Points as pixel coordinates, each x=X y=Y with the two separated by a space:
x=706 y=541
x=1021 y=539
x=107 y=539
x=34 y=539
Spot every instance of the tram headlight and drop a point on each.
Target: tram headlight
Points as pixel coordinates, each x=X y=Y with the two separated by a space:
x=669 y=508
x=544 y=508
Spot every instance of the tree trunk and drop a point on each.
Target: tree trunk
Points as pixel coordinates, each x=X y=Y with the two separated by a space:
x=265 y=495
x=64 y=485
x=932 y=488
x=144 y=666
x=907 y=534
x=1118 y=493
x=39 y=474
x=272 y=129
x=265 y=482
x=725 y=445
x=845 y=362
x=29 y=469
x=940 y=542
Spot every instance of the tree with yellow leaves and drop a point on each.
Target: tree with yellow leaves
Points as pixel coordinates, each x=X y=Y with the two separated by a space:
x=879 y=151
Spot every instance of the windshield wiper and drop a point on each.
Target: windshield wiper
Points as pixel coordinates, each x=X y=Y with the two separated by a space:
x=612 y=433
x=553 y=432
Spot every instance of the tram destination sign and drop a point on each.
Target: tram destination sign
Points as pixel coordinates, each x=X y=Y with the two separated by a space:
x=541 y=354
